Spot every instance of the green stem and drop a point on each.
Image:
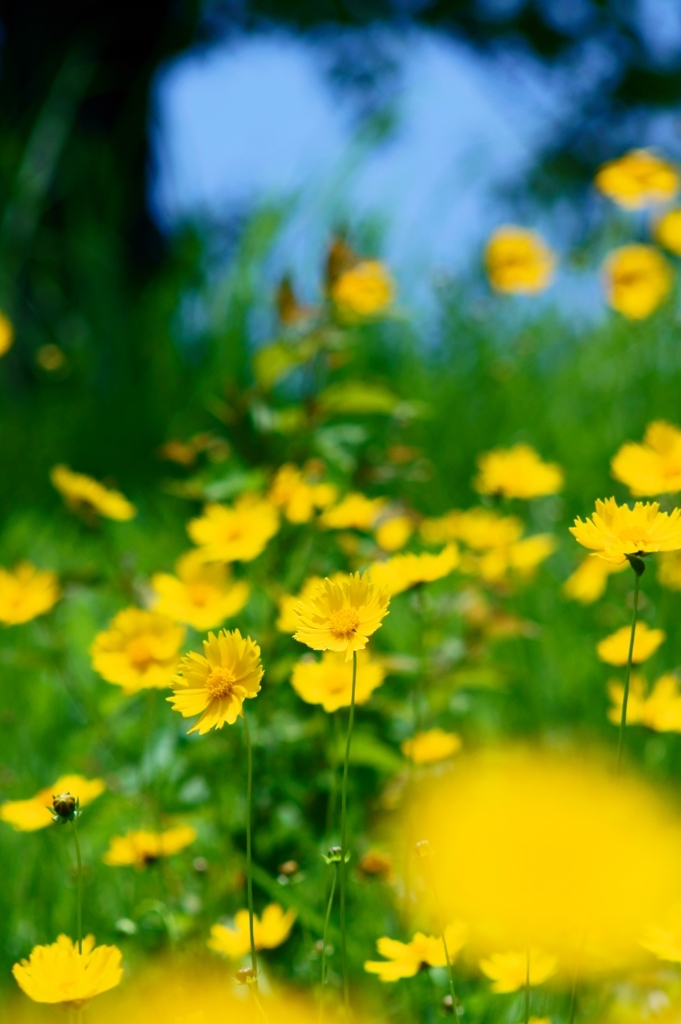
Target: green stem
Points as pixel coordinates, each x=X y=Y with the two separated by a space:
x=625 y=698
x=344 y=847
x=456 y=1006
x=254 y=990
x=527 y=990
x=249 y=859
x=80 y=887
x=324 y=935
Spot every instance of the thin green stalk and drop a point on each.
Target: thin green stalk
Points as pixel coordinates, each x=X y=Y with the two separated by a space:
x=254 y=991
x=324 y=935
x=249 y=867
x=456 y=1006
x=627 y=677
x=527 y=990
x=80 y=887
x=344 y=846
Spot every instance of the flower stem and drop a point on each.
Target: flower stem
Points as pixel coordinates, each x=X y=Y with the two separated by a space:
x=456 y=1005
x=627 y=677
x=344 y=845
x=261 y=1011
x=527 y=990
x=79 y=862
x=249 y=864
x=325 y=933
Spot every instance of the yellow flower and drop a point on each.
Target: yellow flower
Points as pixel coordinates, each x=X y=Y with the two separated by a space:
x=215 y=684
x=201 y=595
x=30 y=815
x=660 y=710
x=664 y=940
x=668 y=231
x=393 y=533
x=430 y=746
x=365 y=290
x=237 y=534
x=519 y=260
x=6 y=333
x=478 y=528
x=26 y=592
x=669 y=570
x=405 y=959
x=653 y=467
x=404 y=571
x=523 y=557
x=139 y=650
x=637 y=279
x=341 y=616
x=140 y=848
x=638 y=179
x=270 y=931
x=291 y=492
x=83 y=494
x=355 y=511
x=587 y=583
x=508 y=971
x=329 y=682
x=517 y=472
x=614 y=649
x=60 y=974
x=614 y=531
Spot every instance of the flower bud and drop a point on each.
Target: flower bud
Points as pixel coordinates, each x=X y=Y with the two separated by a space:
x=65 y=807
x=334 y=855
x=422 y=848
x=246 y=976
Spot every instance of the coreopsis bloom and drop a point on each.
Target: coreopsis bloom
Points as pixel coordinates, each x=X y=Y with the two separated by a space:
x=668 y=231
x=201 y=594
x=26 y=592
x=405 y=959
x=342 y=616
x=638 y=179
x=588 y=582
x=615 y=531
x=269 y=931
x=138 y=651
x=84 y=494
x=614 y=649
x=517 y=472
x=669 y=570
x=140 y=848
x=519 y=260
x=401 y=572
x=354 y=512
x=430 y=746
x=393 y=533
x=363 y=291
x=6 y=333
x=637 y=278
x=215 y=684
x=297 y=497
x=509 y=971
x=659 y=710
x=329 y=682
x=653 y=467
x=236 y=534
x=60 y=974
x=32 y=814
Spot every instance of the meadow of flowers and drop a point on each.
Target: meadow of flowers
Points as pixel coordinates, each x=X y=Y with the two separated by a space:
x=366 y=706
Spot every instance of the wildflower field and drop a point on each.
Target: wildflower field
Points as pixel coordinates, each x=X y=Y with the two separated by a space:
x=339 y=663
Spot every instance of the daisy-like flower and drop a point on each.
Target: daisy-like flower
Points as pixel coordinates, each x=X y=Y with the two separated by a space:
x=638 y=179
x=519 y=260
x=30 y=815
x=430 y=746
x=85 y=495
x=365 y=290
x=215 y=684
x=201 y=595
x=236 y=534
x=140 y=848
x=405 y=959
x=269 y=931
x=342 y=616
x=615 y=531
x=138 y=651
x=329 y=683
x=614 y=649
x=588 y=582
x=517 y=472
x=659 y=710
x=297 y=497
x=60 y=974
x=26 y=592
x=508 y=971
x=401 y=572
x=637 y=278
x=393 y=533
x=653 y=467
x=354 y=512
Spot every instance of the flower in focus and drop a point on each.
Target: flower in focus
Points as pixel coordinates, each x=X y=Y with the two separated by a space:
x=587 y=583
x=236 y=534
x=364 y=290
x=430 y=746
x=614 y=649
x=85 y=495
x=354 y=512
x=615 y=531
x=30 y=815
x=638 y=179
x=269 y=931
x=668 y=231
x=517 y=472
x=60 y=974
x=342 y=616
x=138 y=651
x=637 y=279
x=201 y=595
x=405 y=959
x=669 y=570
x=519 y=260
x=393 y=533
x=26 y=592
x=6 y=333
x=401 y=572
x=509 y=971
x=653 y=467
x=329 y=682
x=660 y=710
x=215 y=684
x=140 y=848
x=299 y=498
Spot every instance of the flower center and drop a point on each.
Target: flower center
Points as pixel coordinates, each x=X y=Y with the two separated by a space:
x=220 y=683
x=343 y=623
x=139 y=652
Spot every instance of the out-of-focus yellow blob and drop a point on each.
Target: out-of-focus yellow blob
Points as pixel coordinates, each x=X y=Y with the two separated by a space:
x=638 y=179
x=614 y=649
x=519 y=260
x=668 y=231
x=637 y=278
x=393 y=533
x=588 y=582
x=654 y=466
x=6 y=333
x=366 y=290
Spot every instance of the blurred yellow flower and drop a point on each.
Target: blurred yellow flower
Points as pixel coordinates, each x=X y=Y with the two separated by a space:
x=236 y=534
x=140 y=848
x=521 y=558
x=432 y=745
x=478 y=528
x=376 y=864
x=614 y=531
x=354 y=512
x=519 y=260
x=614 y=649
x=50 y=358
x=517 y=472
x=653 y=467
x=6 y=333
x=269 y=931
x=664 y=939
x=509 y=971
x=401 y=572
x=30 y=815
x=669 y=570
x=215 y=684
x=393 y=533
x=26 y=592
x=405 y=959
x=329 y=682
x=341 y=616
x=60 y=974
x=364 y=290
x=660 y=710
x=297 y=497
x=638 y=179
x=587 y=583
x=637 y=278
x=83 y=494
x=668 y=231
x=201 y=595
x=138 y=651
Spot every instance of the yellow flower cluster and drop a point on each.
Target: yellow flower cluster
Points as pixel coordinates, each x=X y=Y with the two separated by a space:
x=30 y=815
x=269 y=931
x=297 y=497
x=354 y=512
x=659 y=710
x=26 y=592
x=83 y=494
x=140 y=848
x=639 y=178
